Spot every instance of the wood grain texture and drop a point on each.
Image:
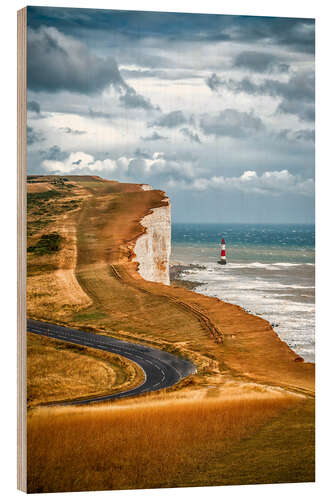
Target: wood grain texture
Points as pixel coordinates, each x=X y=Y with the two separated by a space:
x=21 y=247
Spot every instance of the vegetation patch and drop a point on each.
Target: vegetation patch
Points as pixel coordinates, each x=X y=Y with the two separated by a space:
x=35 y=179
x=89 y=315
x=34 y=198
x=48 y=244
x=40 y=268
x=34 y=227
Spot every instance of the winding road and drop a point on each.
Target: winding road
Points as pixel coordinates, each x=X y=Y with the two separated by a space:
x=161 y=368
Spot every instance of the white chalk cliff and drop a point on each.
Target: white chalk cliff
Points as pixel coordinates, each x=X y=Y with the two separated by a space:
x=153 y=247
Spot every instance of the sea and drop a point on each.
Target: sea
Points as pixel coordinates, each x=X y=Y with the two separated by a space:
x=270 y=272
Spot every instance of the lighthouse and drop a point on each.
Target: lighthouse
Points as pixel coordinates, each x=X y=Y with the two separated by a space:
x=223 y=258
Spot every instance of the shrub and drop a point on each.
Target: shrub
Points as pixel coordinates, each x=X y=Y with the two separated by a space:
x=48 y=243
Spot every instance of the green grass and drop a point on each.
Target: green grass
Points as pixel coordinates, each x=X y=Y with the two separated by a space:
x=89 y=316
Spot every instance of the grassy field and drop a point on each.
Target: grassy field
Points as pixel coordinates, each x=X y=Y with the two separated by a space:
x=58 y=371
x=239 y=420
x=171 y=443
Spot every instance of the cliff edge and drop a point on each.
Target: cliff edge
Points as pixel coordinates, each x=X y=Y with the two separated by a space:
x=153 y=247
x=110 y=271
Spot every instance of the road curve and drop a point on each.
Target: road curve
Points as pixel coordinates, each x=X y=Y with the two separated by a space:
x=161 y=368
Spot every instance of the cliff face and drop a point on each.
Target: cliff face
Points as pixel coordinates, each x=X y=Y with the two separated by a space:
x=152 y=249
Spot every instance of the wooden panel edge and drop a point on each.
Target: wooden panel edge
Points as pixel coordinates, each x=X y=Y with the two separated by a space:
x=21 y=248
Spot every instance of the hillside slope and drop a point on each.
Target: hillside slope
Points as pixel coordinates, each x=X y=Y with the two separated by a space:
x=95 y=284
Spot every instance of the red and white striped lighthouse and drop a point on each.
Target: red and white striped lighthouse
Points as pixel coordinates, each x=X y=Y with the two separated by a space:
x=223 y=257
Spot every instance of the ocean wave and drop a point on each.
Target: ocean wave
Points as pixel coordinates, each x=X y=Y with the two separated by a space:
x=269 y=266
x=291 y=315
x=259 y=265
x=289 y=264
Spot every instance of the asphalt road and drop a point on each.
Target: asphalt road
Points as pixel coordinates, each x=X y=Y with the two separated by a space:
x=161 y=368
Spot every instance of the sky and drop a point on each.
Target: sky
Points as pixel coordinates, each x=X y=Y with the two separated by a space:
x=218 y=111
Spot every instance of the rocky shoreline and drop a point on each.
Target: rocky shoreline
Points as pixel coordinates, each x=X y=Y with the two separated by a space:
x=177 y=271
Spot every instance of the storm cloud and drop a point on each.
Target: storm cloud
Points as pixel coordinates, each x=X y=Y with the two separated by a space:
x=33 y=106
x=170 y=120
x=296 y=135
x=119 y=94
x=231 y=123
x=155 y=136
x=133 y=100
x=53 y=153
x=296 y=95
x=59 y=62
x=297 y=34
x=259 y=62
x=95 y=113
x=193 y=136
x=34 y=136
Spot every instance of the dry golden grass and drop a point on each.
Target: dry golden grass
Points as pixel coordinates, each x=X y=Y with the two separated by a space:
x=52 y=289
x=55 y=295
x=144 y=446
x=39 y=187
x=58 y=371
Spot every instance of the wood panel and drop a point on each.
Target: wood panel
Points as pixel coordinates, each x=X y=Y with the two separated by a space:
x=21 y=247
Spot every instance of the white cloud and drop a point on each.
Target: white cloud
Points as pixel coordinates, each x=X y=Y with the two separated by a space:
x=138 y=167
x=83 y=161
x=141 y=167
x=269 y=183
